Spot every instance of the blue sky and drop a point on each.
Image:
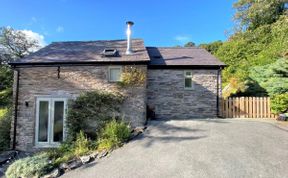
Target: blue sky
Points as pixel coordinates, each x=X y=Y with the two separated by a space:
x=158 y=22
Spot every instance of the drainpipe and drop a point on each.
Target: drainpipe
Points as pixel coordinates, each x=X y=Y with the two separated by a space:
x=218 y=87
x=15 y=108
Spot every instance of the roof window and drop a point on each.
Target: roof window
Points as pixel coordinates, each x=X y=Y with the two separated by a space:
x=110 y=53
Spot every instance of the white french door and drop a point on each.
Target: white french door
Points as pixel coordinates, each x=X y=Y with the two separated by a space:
x=50 y=121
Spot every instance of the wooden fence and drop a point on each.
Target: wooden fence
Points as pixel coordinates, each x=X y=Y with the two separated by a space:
x=246 y=107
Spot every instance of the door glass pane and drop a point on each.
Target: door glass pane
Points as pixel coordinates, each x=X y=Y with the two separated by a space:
x=58 y=121
x=188 y=83
x=43 y=121
x=188 y=73
x=115 y=74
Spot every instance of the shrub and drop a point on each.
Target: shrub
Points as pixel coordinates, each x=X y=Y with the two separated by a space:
x=106 y=144
x=81 y=144
x=63 y=153
x=279 y=103
x=5 y=126
x=33 y=166
x=90 y=111
x=5 y=97
x=113 y=135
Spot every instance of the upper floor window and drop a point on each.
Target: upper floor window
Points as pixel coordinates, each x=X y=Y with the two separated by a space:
x=115 y=73
x=188 y=83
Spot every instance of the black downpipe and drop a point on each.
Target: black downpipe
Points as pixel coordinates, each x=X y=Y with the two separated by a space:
x=217 y=104
x=16 y=109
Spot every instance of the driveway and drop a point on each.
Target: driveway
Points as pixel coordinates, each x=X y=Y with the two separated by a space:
x=197 y=148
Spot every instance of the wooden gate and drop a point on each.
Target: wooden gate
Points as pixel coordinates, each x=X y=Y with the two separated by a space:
x=246 y=107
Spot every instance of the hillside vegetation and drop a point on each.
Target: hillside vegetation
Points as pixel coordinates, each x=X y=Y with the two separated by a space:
x=256 y=54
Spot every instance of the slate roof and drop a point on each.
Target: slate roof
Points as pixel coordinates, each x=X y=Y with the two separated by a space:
x=178 y=56
x=87 y=51
x=75 y=52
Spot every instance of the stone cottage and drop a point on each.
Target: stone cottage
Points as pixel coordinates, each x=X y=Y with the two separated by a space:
x=181 y=83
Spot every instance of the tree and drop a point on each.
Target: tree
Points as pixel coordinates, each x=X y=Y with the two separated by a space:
x=212 y=47
x=15 y=44
x=189 y=44
x=272 y=77
x=253 y=13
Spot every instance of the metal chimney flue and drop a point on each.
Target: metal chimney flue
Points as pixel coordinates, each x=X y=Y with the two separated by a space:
x=129 y=40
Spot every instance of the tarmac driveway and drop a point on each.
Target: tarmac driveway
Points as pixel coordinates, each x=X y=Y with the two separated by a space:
x=198 y=148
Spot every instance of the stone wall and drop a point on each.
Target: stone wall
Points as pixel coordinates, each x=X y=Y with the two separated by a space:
x=44 y=81
x=169 y=99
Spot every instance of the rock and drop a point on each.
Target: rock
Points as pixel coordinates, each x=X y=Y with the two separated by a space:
x=6 y=156
x=64 y=166
x=94 y=155
x=282 y=117
x=134 y=134
x=1 y=171
x=74 y=164
x=53 y=174
x=85 y=159
x=103 y=154
x=137 y=131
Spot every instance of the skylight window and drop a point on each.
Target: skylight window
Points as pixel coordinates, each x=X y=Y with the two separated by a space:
x=110 y=53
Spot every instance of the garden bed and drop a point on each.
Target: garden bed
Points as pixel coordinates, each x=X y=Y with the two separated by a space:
x=56 y=162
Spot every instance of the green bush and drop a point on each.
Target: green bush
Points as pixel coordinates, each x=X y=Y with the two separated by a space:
x=113 y=135
x=5 y=128
x=62 y=154
x=33 y=166
x=5 y=97
x=81 y=144
x=90 y=111
x=279 y=103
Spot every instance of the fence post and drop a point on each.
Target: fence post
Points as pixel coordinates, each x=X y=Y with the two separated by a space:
x=226 y=107
x=230 y=110
x=250 y=107
x=254 y=107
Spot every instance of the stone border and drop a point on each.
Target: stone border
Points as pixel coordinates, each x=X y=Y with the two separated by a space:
x=78 y=162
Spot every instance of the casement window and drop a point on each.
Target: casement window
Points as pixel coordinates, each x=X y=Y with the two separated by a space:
x=188 y=81
x=114 y=73
x=50 y=121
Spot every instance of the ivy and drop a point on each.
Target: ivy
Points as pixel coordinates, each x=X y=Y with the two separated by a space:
x=132 y=76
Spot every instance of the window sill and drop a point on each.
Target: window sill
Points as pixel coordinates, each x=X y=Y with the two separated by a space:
x=188 y=89
x=56 y=145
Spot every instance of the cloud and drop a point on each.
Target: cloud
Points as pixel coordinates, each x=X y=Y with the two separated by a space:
x=60 y=29
x=35 y=36
x=182 y=38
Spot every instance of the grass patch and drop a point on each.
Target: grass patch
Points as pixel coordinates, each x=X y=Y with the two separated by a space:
x=5 y=127
x=3 y=111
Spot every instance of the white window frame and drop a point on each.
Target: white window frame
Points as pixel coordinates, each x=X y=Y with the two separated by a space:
x=51 y=102
x=191 y=77
x=114 y=67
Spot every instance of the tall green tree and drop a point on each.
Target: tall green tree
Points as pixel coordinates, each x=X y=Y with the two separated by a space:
x=272 y=77
x=190 y=44
x=14 y=44
x=251 y=14
x=212 y=47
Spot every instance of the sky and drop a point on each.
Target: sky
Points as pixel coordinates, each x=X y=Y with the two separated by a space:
x=158 y=22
